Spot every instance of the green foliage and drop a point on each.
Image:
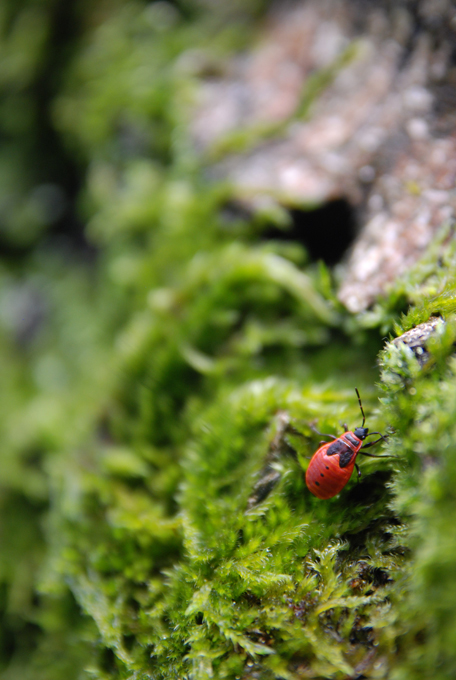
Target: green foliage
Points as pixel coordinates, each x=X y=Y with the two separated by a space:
x=155 y=519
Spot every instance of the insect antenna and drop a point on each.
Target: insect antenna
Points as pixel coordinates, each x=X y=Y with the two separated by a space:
x=360 y=406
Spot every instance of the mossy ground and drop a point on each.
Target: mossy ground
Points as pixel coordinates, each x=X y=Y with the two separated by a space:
x=141 y=411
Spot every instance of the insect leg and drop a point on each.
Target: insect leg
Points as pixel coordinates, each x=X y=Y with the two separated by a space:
x=385 y=438
x=314 y=429
x=367 y=446
x=359 y=472
x=373 y=455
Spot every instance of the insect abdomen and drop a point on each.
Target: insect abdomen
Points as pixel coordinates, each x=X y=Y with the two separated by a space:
x=331 y=467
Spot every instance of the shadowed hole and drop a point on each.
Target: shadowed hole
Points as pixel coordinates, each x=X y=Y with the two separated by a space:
x=326 y=232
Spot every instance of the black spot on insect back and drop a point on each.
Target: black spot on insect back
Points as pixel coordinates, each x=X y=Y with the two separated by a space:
x=346 y=458
x=338 y=446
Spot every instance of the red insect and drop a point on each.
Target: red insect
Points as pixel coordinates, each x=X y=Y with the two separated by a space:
x=332 y=464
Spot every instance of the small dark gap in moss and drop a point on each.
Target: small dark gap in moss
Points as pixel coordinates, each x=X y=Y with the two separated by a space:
x=357 y=539
x=380 y=577
x=361 y=634
x=108 y=661
x=128 y=641
x=370 y=489
x=326 y=232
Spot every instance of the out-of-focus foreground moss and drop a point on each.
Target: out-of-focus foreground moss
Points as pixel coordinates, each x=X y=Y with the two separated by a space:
x=141 y=397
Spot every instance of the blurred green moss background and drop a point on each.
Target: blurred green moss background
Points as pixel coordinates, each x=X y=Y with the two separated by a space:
x=149 y=337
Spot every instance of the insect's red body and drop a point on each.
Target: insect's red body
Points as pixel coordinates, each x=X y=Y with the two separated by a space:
x=332 y=465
